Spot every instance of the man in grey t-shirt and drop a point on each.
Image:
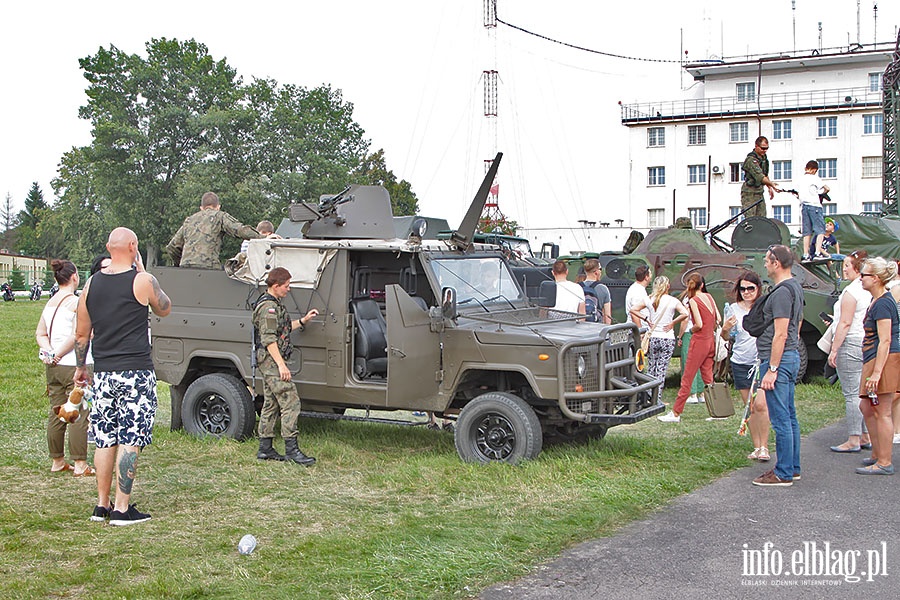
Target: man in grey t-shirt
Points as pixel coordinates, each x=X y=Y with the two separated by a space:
x=780 y=361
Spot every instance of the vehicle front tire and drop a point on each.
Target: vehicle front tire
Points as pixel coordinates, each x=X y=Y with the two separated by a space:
x=219 y=405
x=498 y=427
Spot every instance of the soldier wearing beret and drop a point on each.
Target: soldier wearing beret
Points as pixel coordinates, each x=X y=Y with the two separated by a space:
x=198 y=241
x=273 y=328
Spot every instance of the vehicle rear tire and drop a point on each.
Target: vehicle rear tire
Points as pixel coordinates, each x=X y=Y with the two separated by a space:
x=498 y=427
x=218 y=405
x=176 y=395
x=804 y=362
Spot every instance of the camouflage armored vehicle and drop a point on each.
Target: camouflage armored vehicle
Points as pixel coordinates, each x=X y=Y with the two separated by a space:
x=432 y=325
x=678 y=252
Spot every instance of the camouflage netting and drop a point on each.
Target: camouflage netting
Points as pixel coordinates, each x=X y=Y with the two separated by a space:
x=878 y=236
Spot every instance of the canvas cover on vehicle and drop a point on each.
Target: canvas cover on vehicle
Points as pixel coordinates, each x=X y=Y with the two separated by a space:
x=304 y=263
x=880 y=236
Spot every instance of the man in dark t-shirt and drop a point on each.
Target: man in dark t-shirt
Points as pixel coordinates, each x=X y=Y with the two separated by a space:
x=113 y=306
x=779 y=359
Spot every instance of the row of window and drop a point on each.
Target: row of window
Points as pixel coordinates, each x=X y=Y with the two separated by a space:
x=656 y=216
x=782 y=170
x=826 y=127
x=745 y=91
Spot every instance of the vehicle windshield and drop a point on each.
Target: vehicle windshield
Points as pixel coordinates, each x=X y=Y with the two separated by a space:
x=517 y=248
x=479 y=280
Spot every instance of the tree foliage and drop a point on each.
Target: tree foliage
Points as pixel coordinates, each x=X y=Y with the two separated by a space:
x=9 y=219
x=497 y=224
x=177 y=123
x=373 y=171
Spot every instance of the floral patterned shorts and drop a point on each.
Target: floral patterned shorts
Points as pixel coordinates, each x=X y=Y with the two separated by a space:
x=124 y=408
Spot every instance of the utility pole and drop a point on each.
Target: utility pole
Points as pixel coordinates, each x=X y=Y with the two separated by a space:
x=490 y=77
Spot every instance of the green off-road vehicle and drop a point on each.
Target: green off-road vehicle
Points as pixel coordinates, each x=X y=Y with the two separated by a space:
x=410 y=325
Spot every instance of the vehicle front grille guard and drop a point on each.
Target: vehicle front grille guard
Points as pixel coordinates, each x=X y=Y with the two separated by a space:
x=600 y=383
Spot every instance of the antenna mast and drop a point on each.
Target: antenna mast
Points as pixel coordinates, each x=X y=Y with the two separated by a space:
x=492 y=212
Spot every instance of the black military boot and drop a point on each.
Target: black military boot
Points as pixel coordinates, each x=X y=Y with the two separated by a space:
x=293 y=453
x=266 y=451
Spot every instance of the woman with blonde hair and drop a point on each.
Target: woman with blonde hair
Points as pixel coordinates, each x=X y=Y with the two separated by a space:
x=880 y=380
x=701 y=353
x=846 y=349
x=662 y=309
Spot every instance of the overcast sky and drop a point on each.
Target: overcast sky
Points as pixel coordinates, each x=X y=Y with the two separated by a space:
x=412 y=69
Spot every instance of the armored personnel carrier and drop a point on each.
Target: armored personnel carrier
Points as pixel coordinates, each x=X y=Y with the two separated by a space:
x=678 y=252
x=404 y=324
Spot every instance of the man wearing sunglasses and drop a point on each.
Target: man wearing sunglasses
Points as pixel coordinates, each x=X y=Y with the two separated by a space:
x=756 y=179
x=779 y=360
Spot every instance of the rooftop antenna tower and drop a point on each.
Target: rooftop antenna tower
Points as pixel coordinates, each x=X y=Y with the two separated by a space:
x=492 y=205
x=794 y=14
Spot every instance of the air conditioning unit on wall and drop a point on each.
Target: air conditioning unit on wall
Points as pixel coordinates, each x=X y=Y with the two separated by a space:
x=717 y=170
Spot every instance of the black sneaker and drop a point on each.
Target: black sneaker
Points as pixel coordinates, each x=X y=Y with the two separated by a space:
x=101 y=513
x=127 y=518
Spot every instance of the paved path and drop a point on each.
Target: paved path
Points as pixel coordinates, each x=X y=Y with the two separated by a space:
x=699 y=545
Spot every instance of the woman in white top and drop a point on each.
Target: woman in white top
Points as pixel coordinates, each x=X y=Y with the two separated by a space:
x=56 y=338
x=662 y=309
x=747 y=290
x=846 y=349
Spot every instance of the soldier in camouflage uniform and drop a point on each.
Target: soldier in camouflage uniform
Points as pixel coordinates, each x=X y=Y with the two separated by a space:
x=273 y=334
x=198 y=241
x=756 y=177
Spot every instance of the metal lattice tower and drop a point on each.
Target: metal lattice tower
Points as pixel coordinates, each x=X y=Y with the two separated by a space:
x=490 y=77
x=890 y=176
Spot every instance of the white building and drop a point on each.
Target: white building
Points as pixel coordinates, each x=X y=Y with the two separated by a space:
x=685 y=155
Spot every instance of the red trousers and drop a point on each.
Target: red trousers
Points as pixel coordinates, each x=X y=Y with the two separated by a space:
x=700 y=357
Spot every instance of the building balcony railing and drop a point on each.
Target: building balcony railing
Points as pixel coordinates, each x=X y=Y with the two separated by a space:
x=764 y=104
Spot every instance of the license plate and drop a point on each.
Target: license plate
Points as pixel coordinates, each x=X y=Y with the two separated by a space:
x=619 y=337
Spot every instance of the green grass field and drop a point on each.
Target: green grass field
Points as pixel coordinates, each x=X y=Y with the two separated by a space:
x=389 y=512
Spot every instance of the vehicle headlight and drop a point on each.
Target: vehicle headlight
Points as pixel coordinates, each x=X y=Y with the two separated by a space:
x=582 y=367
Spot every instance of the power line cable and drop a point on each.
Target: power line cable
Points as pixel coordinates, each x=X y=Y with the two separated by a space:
x=581 y=48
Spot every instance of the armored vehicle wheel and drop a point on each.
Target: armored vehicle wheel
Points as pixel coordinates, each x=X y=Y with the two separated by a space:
x=500 y=427
x=218 y=405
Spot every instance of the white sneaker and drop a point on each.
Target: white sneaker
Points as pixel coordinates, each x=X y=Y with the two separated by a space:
x=692 y=399
x=669 y=417
x=897 y=438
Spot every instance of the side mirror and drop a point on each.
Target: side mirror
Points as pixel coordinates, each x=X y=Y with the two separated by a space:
x=448 y=303
x=547 y=296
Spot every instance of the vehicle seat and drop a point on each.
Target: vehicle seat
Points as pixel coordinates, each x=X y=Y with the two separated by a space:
x=370 y=356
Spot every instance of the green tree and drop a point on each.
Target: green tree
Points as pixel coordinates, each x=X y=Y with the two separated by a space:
x=17 y=279
x=9 y=219
x=30 y=240
x=373 y=171
x=149 y=125
x=497 y=224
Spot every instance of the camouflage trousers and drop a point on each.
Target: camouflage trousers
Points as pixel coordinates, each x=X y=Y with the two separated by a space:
x=281 y=397
x=748 y=197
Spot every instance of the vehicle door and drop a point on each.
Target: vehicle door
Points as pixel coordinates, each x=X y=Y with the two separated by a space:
x=414 y=354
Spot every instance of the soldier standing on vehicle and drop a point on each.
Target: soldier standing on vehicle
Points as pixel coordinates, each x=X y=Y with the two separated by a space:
x=273 y=328
x=756 y=177
x=198 y=241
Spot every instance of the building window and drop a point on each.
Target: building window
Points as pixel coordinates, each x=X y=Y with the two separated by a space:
x=696 y=135
x=656 y=137
x=829 y=209
x=872 y=207
x=782 y=213
x=873 y=124
x=827 y=127
x=874 y=82
x=656 y=217
x=737 y=132
x=781 y=170
x=734 y=172
x=746 y=92
x=781 y=130
x=656 y=176
x=733 y=212
x=698 y=217
x=871 y=166
x=827 y=168
x=696 y=174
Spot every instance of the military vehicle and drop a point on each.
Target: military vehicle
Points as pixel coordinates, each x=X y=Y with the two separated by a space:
x=404 y=324
x=678 y=252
